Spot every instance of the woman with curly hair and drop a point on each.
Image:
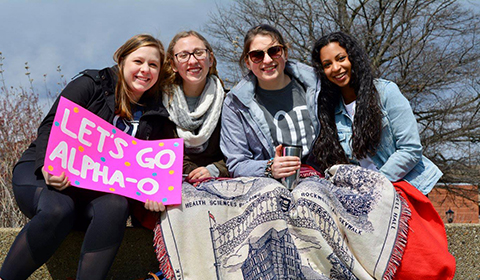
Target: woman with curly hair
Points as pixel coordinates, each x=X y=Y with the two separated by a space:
x=368 y=122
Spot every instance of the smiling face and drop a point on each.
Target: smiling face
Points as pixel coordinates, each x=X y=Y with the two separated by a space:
x=336 y=65
x=269 y=72
x=141 y=69
x=195 y=70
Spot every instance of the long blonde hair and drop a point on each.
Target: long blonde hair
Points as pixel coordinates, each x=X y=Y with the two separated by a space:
x=123 y=94
x=171 y=78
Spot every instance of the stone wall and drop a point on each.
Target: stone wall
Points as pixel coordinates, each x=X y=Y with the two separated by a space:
x=136 y=256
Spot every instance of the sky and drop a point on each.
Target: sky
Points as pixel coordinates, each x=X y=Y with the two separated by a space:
x=81 y=34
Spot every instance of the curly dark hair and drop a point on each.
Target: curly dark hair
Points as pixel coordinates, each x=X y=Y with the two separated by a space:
x=368 y=116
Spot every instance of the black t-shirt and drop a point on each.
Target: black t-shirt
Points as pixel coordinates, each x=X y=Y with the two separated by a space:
x=287 y=115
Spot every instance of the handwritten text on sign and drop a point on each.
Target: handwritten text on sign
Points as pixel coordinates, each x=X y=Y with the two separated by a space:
x=98 y=156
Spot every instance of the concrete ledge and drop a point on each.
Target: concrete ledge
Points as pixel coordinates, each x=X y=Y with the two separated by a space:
x=136 y=256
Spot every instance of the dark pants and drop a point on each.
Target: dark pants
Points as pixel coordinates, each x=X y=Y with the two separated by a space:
x=53 y=215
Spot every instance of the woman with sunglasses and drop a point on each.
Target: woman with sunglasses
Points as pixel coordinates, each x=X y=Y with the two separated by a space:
x=274 y=105
x=368 y=122
x=253 y=227
x=126 y=96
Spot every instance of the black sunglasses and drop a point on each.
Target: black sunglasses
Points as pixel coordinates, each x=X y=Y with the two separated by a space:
x=274 y=52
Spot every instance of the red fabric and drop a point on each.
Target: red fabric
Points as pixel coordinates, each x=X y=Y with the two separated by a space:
x=426 y=255
x=146 y=218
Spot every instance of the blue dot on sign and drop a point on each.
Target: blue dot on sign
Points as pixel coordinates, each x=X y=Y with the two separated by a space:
x=77 y=183
x=175 y=144
x=138 y=193
x=102 y=159
x=57 y=124
x=154 y=174
x=164 y=200
x=114 y=130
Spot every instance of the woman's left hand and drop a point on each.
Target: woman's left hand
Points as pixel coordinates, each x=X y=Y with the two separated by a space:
x=199 y=173
x=154 y=206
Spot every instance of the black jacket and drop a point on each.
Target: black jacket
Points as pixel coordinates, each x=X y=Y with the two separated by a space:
x=95 y=91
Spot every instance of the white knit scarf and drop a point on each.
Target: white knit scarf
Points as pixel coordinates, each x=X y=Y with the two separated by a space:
x=205 y=116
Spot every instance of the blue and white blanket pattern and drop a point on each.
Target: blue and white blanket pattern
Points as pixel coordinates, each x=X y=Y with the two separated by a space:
x=351 y=225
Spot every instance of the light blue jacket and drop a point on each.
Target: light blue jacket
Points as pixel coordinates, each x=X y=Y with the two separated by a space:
x=399 y=155
x=245 y=137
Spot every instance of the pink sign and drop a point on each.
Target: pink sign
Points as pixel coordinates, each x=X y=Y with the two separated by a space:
x=98 y=156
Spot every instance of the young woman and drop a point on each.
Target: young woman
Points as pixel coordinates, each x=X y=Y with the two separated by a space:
x=125 y=95
x=369 y=122
x=193 y=95
x=274 y=105
x=384 y=135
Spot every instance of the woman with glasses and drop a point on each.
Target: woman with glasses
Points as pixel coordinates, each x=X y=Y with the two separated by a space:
x=193 y=95
x=274 y=105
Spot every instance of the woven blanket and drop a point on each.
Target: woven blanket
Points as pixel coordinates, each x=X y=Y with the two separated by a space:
x=350 y=225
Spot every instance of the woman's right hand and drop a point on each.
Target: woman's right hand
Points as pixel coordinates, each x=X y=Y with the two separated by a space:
x=284 y=166
x=58 y=182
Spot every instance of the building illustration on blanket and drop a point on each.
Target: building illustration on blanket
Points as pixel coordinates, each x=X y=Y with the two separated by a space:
x=274 y=253
x=255 y=228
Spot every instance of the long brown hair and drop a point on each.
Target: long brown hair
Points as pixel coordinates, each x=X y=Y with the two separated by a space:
x=123 y=94
x=171 y=78
x=367 y=126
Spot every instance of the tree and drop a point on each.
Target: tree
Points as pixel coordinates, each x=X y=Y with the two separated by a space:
x=428 y=47
x=20 y=116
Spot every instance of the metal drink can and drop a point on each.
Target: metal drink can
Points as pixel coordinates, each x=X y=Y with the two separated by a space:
x=291 y=181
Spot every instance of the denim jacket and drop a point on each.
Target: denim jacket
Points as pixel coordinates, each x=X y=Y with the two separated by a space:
x=245 y=139
x=399 y=155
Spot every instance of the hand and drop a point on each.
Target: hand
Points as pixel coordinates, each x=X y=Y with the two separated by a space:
x=154 y=206
x=284 y=166
x=199 y=173
x=58 y=182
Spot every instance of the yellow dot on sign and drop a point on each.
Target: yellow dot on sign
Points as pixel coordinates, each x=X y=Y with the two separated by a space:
x=171 y=172
x=134 y=142
x=50 y=168
x=170 y=188
x=76 y=110
x=81 y=149
x=111 y=189
x=127 y=163
x=161 y=144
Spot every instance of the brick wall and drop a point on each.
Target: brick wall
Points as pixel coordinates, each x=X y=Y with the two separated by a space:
x=454 y=197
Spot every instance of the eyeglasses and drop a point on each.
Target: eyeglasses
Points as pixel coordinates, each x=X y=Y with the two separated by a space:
x=199 y=54
x=274 y=52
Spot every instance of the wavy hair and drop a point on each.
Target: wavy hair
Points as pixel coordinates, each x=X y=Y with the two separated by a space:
x=171 y=78
x=265 y=30
x=367 y=126
x=123 y=94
